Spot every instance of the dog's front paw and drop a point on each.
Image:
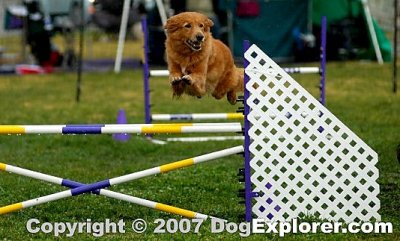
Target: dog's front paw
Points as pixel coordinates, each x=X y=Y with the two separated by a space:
x=187 y=79
x=175 y=79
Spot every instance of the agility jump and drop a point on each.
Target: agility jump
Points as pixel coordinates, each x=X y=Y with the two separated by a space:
x=299 y=158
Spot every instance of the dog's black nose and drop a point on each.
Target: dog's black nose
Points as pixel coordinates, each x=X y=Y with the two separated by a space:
x=199 y=37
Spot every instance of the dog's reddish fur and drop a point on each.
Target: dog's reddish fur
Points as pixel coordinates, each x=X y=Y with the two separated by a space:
x=198 y=63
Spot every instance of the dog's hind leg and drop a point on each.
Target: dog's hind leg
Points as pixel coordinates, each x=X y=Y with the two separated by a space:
x=231 y=95
x=218 y=94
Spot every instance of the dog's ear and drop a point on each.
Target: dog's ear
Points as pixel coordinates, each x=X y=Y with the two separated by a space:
x=209 y=23
x=171 y=25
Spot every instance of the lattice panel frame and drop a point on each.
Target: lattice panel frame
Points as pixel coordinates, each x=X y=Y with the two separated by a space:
x=304 y=159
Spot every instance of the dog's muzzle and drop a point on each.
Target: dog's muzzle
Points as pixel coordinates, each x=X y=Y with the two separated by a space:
x=195 y=44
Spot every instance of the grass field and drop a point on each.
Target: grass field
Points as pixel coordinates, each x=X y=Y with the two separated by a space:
x=97 y=45
x=358 y=93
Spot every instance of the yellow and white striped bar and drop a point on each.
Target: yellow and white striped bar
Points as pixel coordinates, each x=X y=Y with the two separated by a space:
x=118 y=180
x=172 y=128
x=35 y=202
x=197 y=116
x=31 y=174
x=176 y=165
x=105 y=192
x=154 y=205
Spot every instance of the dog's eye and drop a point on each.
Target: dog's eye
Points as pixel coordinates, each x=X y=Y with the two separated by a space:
x=201 y=25
x=187 y=25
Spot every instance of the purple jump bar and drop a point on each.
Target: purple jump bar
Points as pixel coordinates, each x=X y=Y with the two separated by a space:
x=82 y=129
x=90 y=187
x=73 y=184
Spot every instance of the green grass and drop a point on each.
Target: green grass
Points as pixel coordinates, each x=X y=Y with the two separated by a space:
x=101 y=46
x=97 y=45
x=358 y=93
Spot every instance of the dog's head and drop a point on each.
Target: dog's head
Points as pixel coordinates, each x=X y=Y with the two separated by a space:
x=189 y=28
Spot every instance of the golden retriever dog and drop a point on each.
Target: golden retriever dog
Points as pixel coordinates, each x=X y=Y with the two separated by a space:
x=199 y=64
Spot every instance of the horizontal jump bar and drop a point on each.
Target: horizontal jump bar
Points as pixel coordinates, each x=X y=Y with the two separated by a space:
x=204 y=138
x=210 y=116
x=159 y=73
x=293 y=70
x=302 y=70
x=197 y=116
x=122 y=128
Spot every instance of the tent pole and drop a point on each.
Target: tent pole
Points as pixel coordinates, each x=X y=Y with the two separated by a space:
x=80 y=57
x=162 y=11
x=122 y=35
x=230 y=29
x=372 y=32
x=309 y=17
x=396 y=16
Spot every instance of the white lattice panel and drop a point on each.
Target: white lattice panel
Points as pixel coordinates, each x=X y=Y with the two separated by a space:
x=303 y=159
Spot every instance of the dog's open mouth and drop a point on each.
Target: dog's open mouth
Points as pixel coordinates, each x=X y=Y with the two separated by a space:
x=194 y=45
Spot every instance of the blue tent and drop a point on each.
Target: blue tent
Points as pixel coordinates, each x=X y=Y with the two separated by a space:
x=270 y=26
x=276 y=26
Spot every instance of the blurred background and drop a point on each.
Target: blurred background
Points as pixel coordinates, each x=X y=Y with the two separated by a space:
x=51 y=33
